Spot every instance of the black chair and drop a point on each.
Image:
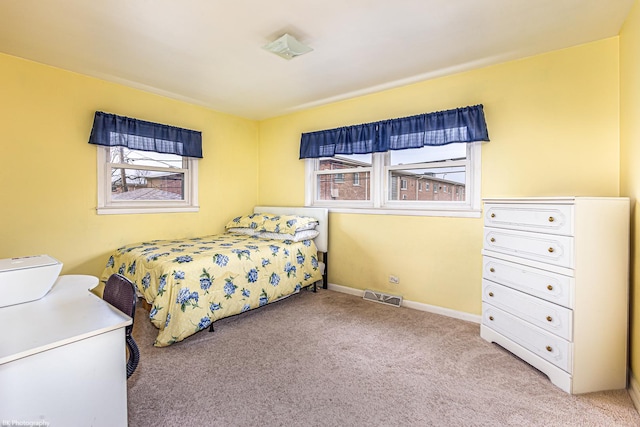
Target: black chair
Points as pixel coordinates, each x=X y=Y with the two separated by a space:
x=121 y=293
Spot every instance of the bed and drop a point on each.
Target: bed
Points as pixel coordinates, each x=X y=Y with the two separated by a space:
x=190 y=283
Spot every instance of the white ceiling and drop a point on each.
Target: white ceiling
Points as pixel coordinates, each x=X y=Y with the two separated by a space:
x=208 y=52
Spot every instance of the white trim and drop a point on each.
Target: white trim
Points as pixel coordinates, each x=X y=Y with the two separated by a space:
x=561 y=378
x=461 y=213
x=148 y=210
x=345 y=289
x=103 y=188
x=377 y=181
x=474 y=318
x=310 y=189
x=474 y=196
x=634 y=391
x=428 y=165
x=342 y=171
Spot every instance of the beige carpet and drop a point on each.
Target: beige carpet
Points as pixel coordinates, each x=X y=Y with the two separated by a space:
x=331 y=359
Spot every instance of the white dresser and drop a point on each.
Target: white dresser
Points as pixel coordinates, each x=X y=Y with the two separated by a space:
x=63 y=359
x=555 y=286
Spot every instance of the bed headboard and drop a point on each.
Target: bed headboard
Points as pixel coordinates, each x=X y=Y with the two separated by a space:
x=321 y=214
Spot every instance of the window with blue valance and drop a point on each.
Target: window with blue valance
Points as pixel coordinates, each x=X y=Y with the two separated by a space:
x=111 y=130
x=465 y=124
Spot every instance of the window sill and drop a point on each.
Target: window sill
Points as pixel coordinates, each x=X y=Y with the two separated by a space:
x=451 y=213
x=145 y=210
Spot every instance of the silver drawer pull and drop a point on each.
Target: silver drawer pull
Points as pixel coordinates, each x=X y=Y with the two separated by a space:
x=551 y=219
x=549 y=319
x=551 y=250
x=549 y=348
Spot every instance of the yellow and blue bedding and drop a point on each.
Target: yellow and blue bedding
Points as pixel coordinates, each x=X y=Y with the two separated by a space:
x=191 y=283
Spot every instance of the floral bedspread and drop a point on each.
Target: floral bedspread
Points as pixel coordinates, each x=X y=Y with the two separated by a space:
x=191 y=283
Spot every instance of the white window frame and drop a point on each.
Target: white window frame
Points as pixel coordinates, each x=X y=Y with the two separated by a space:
x=379 y=181
x=108 y=206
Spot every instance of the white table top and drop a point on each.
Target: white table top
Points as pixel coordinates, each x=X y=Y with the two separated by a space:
x=68 y=313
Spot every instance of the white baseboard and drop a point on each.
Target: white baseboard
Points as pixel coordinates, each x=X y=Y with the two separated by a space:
x=634 y=391
x=415 y=305
x=345 y=289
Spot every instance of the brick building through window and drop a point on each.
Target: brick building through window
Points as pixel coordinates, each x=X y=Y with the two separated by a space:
x=403 y=185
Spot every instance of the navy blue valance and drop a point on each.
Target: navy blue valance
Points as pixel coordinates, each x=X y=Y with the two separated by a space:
x=465 y=124
x=111 y=130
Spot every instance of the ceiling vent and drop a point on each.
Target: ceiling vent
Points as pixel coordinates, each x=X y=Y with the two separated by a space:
x=287 y=47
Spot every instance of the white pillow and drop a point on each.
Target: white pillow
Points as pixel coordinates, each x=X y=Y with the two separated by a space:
x=299 y=236
x=243 y=230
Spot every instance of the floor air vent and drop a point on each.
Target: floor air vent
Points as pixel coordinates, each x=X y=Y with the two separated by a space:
x=394 y=300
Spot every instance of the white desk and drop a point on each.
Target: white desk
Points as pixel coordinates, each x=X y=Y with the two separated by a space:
x=63 y=358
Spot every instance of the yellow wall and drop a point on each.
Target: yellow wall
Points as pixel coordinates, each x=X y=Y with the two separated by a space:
x=48 y=172
x=630 y=159
x=553 y=121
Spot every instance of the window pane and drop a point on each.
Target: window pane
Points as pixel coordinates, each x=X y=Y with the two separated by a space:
x=438 y=184
x=133 y=184
x=145 y=158
x=428 y=154
x=345 y=186
x=352 y=186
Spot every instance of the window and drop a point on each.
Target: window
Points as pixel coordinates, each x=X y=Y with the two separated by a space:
x=134 y=181
x=395 y=156
x=145 y=167
x=339 y=177
x=356 y=179
x=392 y=181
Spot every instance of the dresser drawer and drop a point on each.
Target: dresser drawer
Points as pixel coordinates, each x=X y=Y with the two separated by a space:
x=552 y=219
x=548 y=316
x=553 y=287
x=548 y=248
x=538 y=341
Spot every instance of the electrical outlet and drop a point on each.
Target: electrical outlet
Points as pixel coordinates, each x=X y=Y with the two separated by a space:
x=394 y=279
